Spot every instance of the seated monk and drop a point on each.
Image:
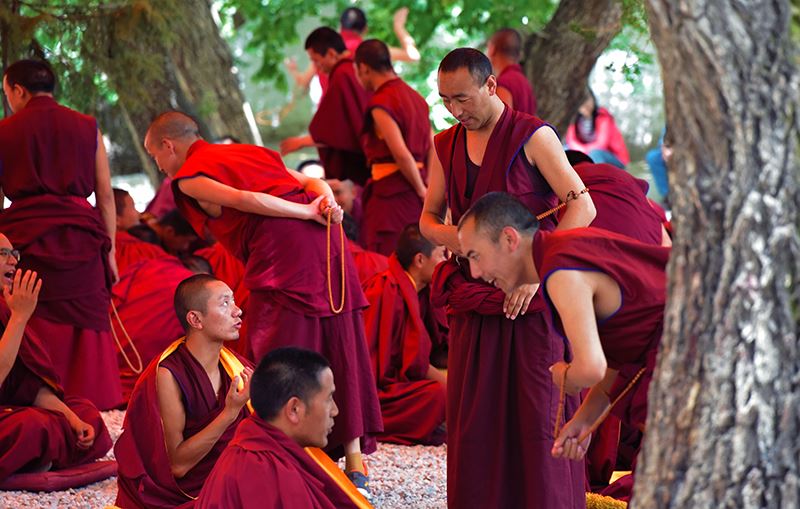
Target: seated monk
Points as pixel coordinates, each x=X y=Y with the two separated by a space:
x=190 y=399
x=412 y=393
x=265 y=466
x=131 y=249
x=607 y=293
x=368 y=263
x=39 y=428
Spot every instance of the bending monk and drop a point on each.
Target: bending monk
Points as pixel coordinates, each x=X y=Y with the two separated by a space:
x=412 y=392
x=500 y=346
x=265 y=465
x=272 y=219
x=607 y=293
x=39 y=428
x=52 y=159
x=190 y=399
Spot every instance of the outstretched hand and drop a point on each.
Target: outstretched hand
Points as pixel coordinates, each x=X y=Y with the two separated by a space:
x=23 y=294
x=238 y=396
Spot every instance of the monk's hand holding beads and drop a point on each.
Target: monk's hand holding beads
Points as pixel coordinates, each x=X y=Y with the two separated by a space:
x=566 y=444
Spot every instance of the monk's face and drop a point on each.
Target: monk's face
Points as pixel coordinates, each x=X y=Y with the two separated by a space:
x=165 y=154
x=429 y=263
x=222 y=319
x=8 y=262
x=128 y=216
x=467 y=100
x=323 y=63
x=316 y=418
x=494 y=261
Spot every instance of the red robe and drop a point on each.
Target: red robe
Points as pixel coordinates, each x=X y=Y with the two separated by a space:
x=33 y=437
x=338 y=123
x=47 y=156
x=501 y=403
x=144 y=298
x=367 y=263
x=163 y=201
x=262 y=468
x=391 y=203
x=285 y=262
x=131 y=250
x=400 y=349
x=607 y=137
x=229 y=269
x=514 y=80
x=630 y=337
x=145 y=479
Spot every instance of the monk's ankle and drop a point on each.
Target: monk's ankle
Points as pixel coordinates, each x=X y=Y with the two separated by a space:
x=354 y=463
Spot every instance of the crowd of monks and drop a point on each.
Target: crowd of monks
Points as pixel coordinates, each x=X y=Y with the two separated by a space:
x=479 y=287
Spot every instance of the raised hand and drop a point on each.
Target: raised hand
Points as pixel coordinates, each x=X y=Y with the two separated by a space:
x=237 y=396
x=24 y=294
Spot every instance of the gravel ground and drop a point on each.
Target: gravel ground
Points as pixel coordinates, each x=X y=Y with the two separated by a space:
x=402 y=477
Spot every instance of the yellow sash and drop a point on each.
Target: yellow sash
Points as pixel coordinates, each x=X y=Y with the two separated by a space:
x=383 y=170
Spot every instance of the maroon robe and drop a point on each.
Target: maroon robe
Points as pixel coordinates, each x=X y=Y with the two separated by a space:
x=367 y=263
x=47 y=170
x=435 y=320
x=501 y=403
x=145 y=479
x=163 y=202
x=391 y=203
x=630 y=337
x=338 y=123
x=285 y=263
x=265 y=469
x=400 y=349
x=131 y=250
x=144 y=298
x=31 y=437
x=514 y=80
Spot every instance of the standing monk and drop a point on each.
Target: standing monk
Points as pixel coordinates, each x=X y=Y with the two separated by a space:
x=336 y=127
x=269 y=217
x=397 y=144
x=499 y=411
x=504 y=50
x=51 y=159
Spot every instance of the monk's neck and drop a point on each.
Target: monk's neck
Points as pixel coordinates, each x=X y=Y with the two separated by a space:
x=205 y=351
x=383 y=78
x=416 y=280
x=497 y=111
x=500 y=65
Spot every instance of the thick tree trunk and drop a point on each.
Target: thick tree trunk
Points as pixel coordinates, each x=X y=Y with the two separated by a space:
x=725 y=404
x=558 y=59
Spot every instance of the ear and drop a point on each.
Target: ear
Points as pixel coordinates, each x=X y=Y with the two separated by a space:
x=195 y=319
x=510 y=238
x=419 y=260
x=294 y=410
x=491 y=84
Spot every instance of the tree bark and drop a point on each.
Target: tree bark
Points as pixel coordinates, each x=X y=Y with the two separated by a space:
x=558 y=59
x=724 y=407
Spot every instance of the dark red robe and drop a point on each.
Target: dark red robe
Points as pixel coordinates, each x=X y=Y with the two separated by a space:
x=367 y=263
x=391 y=203
x=285 y=262
x=262 y=468
x=229 y=269
x=131 y=250
x=338 y=123
x=513 y=79
x=32 y=437
x=47 y=170
x=144 y=298
x=400 y=349
x=630 y=337
x=145 y=479
x=501 y=403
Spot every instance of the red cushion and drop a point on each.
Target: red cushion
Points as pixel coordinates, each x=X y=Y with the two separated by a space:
x=59 y=480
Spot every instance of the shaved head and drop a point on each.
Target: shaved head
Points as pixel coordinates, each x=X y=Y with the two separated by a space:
x=192 y=294
x=174 y=125
x=507 y=42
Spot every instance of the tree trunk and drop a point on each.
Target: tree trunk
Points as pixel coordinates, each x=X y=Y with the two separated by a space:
x=558 y=59
x=725 y=403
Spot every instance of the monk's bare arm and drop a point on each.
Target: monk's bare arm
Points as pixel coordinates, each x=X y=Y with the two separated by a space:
x=431 y=223
x=436 y=375
x=545 y=151
x=204 y=189
x=387 y=128
x=505 y=95
x=295 y=143
x=185 y=454
x=84 y=432
x=104 y=198
x=408 y=51
x=21 y=300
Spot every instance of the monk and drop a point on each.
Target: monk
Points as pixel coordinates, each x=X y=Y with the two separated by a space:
x=397 y=143
x=336 y=127
x=129 y=249
x=607 y=293
x=40 y=429
x=504 y=50
x=498 y=418
x=265 y=465
x=229 y=269
x=187 y=404
x=272 y=219
x=412 y=392
x=52 y=159
x=145 y=316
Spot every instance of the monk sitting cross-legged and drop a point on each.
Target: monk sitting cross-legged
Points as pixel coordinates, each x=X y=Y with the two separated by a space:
x=186 y=405
x=411 y=391
x=265 y=466
x=39 y=428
